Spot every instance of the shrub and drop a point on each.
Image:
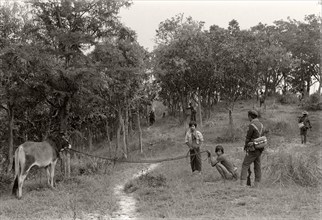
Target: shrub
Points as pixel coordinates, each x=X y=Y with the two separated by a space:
x=289 y=168
x=230 y=135
x=288 y=98
x=313 y=103
x=153 y=181
x=5 y=182
x=88 y=166
x=277 y=127
x=147 y=180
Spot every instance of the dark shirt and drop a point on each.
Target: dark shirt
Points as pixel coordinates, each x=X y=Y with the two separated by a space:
x=306 y=122
x=252 y=132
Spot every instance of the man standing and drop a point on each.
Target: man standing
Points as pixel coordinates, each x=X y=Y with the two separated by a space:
x=304 y=125
x=255 y=130
x=194 y=141
x=193 y=112
x=261 y=99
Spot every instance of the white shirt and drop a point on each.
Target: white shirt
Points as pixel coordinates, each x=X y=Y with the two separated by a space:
x=197 y=134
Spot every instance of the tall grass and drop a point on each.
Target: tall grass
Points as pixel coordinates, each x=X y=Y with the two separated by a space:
x=288 y=98
x=287 y=168
x=313 y=102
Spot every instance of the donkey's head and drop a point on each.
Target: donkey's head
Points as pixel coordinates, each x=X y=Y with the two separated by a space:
x=60 y=140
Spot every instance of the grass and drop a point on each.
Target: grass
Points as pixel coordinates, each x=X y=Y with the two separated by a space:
x=82 y=194
x=184 y=195
x=171 y=191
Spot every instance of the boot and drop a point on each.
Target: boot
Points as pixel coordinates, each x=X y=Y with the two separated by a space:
x=243 y=183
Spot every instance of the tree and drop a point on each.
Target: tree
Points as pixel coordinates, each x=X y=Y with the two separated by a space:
x=121 y=62
x=237 y=67
x=16 y=62
x=178 y=59
x=67 y=27
x=301 y=40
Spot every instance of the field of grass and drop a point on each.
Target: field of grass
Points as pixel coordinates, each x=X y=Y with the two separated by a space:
x=290 y=190
x=172 y=191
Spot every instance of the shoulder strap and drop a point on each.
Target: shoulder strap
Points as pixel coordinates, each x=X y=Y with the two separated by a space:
x=260 y=132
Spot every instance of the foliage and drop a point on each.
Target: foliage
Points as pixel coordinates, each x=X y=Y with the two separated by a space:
x=89 y=166
x=288 y=98
x=230 y=135
x=147 y=180
x=46 y=68
x=313 y=103
x=193 y=64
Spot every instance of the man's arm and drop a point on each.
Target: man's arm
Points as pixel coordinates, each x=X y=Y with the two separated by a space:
x=200 y=137
x=213 y=161
x=249 y=135
x=187 y=140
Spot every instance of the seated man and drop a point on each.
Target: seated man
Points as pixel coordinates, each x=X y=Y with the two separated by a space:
x=225 y=167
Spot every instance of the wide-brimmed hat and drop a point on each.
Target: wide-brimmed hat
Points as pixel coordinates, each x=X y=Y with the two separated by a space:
x=305 y=113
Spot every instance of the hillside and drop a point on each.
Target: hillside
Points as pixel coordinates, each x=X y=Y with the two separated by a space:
x=184 y=195
x=170 y=190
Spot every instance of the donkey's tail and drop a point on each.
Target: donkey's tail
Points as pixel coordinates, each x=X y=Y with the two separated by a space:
x=17 y=171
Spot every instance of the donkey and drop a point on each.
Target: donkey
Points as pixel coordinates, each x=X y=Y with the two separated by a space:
x=41 y=154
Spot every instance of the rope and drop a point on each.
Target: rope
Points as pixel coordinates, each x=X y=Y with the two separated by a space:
x=137 y=161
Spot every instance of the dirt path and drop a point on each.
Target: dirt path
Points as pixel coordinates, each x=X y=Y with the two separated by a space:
x=126 y=203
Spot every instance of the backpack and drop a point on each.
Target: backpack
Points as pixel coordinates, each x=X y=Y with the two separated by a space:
x=260 y=142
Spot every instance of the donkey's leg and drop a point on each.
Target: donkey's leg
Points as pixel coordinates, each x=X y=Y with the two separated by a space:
x=48 y=174
x=21 y=180
x=52 y=172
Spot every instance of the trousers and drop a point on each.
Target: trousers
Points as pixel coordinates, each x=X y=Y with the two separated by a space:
x=252 y=157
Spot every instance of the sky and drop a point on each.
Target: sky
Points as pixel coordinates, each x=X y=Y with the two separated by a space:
x=144 y=16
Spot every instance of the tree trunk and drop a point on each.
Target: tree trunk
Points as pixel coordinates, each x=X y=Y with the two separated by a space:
x=90 y=139
x=68 y=164
x=308 y=82
x=126 y=125
x=10 y=112
x=199 y=109
x=118 y=136
x=63 y=114
x=124 y=136
x=140 y=130
x=130 y=123
x=231 y=123
x=185 y=117
x=122 y=127
x=107 y=130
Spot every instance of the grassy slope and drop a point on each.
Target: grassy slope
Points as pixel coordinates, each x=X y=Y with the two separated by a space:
x=180 y=195
x=184 y=195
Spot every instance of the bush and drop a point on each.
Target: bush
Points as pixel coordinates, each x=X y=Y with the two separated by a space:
x=312 y=103
x=230 y=135
x=146 y=180
x=152 y=181
x=88 y=166
x=278 y=127
x=5 y=182
x=289 y=168
x=288 y=98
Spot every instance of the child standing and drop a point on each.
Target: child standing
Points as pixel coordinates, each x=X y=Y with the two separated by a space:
x=224 y=166
x=304 y=125
x=194 y=140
